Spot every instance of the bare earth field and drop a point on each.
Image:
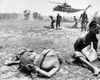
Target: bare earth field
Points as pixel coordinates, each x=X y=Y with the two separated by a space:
x=15 y=35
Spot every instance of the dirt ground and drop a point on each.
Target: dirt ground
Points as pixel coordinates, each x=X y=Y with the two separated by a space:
x=14 y=35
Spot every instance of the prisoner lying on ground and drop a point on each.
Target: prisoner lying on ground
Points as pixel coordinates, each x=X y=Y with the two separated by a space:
x=85 y=40
x=45 y=64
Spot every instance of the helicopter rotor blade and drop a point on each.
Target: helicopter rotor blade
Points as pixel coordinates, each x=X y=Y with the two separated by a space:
x=55 y=2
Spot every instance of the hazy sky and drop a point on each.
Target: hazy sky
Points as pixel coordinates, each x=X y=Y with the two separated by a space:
x=44 y=7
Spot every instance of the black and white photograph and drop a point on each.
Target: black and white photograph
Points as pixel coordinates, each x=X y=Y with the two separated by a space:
x=49 y=40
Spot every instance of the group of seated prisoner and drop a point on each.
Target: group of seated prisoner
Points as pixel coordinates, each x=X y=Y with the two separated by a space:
x=48 y=62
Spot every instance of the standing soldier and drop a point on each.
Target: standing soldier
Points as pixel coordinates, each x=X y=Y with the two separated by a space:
x=84 y=21
x=58 y=20
x=76 y=22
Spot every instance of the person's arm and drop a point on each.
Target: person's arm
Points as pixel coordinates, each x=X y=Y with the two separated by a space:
x=86 y=18
x=9 y=63
x=95 y=42
x=50 y=73
x=60 y=17
x=80 y=18
x=78 y=44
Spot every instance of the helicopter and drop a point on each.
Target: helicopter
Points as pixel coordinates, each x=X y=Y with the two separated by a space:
x=65 y=7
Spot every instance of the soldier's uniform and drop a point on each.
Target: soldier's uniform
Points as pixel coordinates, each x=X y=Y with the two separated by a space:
x=84 y=21
x=58 y=20
x=52 y=22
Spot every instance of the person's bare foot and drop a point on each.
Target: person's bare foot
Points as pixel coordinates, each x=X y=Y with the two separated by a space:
x=96 y=71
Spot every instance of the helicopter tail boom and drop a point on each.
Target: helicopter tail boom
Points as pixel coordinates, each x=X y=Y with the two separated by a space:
x=87 y=7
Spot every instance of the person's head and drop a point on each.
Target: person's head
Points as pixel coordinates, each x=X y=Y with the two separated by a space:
x=84 y=13
x=58 y=14
x=94 y=26
x=74 y=16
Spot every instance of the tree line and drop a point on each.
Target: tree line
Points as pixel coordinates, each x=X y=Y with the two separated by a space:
x=35 y=16
x=8 y=16
x=26 y=15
